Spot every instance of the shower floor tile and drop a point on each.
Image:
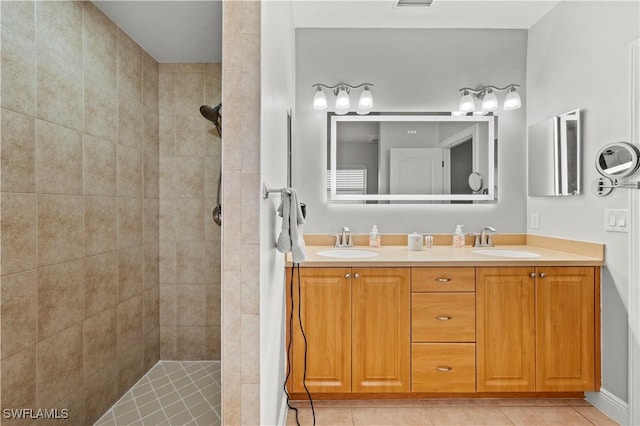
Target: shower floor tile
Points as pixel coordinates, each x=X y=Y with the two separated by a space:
x=172 y=393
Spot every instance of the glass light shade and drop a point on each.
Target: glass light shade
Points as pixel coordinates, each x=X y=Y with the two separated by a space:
x=319 y=99
x=366 y=100
x=512 y=100
x=480 y=113
x=341 y=111
x=342 y=100
x=467 y=103
x=489 y=101
x=458 y=113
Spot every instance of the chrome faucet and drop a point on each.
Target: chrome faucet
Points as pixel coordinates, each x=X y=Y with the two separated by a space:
x=484 y=239
x=344 y=238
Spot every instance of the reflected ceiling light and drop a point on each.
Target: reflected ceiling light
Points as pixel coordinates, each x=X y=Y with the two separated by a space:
x=488 y=99
x=343 y=101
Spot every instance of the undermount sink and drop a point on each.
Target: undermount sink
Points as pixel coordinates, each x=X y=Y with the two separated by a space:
x=348 y=253
x=505 y=253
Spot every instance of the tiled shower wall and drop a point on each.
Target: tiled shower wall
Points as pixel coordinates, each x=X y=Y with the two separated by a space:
x=80 y=205
x=190 y=150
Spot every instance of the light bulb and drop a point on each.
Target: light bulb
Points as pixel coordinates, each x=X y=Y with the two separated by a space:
x=458 y=113
x=366 y=100
x=512 y=100
x=319 y=99
x=342 y=100
x=489 y=101
x=467 y=103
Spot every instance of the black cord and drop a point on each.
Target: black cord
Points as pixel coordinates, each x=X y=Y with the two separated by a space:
x=304 y=374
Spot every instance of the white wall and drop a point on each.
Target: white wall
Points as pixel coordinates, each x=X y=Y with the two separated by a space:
x=578 y=57
x=413 y=70
x=277 y=97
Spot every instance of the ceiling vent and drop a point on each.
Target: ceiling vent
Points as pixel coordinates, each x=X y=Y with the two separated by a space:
x=412 y=3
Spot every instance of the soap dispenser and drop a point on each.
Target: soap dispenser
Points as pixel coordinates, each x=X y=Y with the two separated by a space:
x=458 y=237
x=374 y=237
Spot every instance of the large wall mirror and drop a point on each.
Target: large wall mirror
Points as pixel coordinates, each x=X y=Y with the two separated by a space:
x=411 y=158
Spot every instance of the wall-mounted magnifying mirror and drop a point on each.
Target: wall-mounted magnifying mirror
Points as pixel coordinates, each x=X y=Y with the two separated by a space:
x=475 y=181
x=618 y=160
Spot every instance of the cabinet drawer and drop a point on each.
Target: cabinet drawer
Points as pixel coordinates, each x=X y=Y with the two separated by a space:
x=443 y=279
x=443 y=367
x=443 y=317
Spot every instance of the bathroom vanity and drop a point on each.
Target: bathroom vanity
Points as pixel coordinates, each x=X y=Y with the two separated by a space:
x=447 y=322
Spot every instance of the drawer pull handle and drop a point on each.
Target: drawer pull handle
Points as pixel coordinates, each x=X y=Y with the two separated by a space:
x=347 y=276
x=356 y=275
x=542 y=275
x=443 y=280
x=443 y=318
x=444 y=369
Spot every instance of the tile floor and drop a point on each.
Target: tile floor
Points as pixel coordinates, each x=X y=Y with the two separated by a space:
x=552 y=412
x=172 y=393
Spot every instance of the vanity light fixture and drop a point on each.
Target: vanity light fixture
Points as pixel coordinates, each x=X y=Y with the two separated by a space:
x=488 y=99
x=343 y=101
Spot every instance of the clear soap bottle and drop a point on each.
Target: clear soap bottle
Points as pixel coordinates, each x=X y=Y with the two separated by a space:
x=458 y=237
x=374 y=237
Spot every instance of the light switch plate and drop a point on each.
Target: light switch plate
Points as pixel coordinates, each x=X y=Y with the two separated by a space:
x=535 y=220
x=616 y=220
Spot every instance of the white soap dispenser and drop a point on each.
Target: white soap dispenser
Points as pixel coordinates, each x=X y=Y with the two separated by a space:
x=458 y=237
x=374 y=237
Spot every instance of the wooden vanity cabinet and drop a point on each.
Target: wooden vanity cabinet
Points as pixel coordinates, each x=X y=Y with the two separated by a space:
x=356 y=323
x=536 y=329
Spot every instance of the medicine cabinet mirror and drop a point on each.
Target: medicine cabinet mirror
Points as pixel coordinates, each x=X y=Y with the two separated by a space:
x=554 y=156
x=411 y=158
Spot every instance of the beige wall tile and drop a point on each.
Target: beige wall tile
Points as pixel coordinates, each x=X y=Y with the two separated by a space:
x=191 y=135
x=130 y=121
x=129 y=66
x=19 y=380
x=190 y=343
x=100 y=341
x=191 y=305
x=213 y=84
x=189 y=220
x=167 y=184
x=167 y=262
x=18 y=72
x=167 y=135
x=151 y=348
x=75 y=403
x=151 y=132
x=150 y=221
x=99 y=45
x=59 y=366
x=168 y=342
x=59 y=90
x=232 y=398
x=100 y=283
x=183 y=67
x=18 y=308
x=58 y=159
x=167 y=304
x=250 y=411
x=19 y=16
x=129 y=323
x=189 y=177
x=60 y=297
x=130 y=171
x=59 y=29
x=214 y=311
x=250 y=270
x=100 y=108
x=130 y=366
x=100 y=217
x=251 y=139
x=189 y=93
x=130 y=270
x=151 y=175
x=100 y=392
x=150 y=309
x=212 y=230
x=211 y=173
x=150 y=74
x=18 y=233
x=190 y=262
x=232 y=125
x=250 y=209
x=129 y=222
x=250 y=335
x=18 y=152
x=212 y=254
x=212 y=334
x=232 y=346
x=59 y=228
x=151 y=275
x=167 y=219
x=166 y=92
x=100 y=170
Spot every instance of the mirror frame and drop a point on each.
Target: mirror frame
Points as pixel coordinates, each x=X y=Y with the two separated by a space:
x=635 y=160
x=420 y=117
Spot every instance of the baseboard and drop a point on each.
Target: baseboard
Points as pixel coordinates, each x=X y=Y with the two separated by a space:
x=282 y=417
x=610 y=405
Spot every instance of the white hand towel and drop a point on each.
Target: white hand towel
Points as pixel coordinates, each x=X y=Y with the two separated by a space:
x=291 y=238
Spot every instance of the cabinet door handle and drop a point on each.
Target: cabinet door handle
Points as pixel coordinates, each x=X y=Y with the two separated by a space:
x=532 y=275
x=444 y=369
x=542 y=275
x=356 y=275
x=347 y=276
x=443 y=280
x=443 y=318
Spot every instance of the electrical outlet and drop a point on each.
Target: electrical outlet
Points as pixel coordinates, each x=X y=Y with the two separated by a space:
x=535 y=220
x=616 y=220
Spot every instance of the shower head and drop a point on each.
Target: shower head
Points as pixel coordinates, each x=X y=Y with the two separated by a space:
x=213 y=115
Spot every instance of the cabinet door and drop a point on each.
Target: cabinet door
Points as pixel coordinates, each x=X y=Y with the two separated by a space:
x=505 y=309
x=565 y=323
x=381 y=333
x=325 y=307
